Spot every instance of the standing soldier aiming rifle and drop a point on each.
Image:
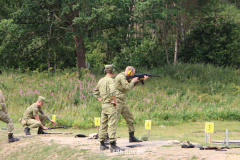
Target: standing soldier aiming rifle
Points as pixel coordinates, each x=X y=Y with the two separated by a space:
x=33 y=120
x=5 y=118
x=122 y=87
x=105 y=92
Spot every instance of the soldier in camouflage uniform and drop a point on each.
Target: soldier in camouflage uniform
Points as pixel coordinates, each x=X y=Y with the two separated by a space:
x=5 y=118
x=122 y=87
x=33 y=120
x=105 y=92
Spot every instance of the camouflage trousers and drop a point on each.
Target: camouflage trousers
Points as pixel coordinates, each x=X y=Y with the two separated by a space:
x=108 y=123
x=33 y=123
x=5 y=118
x=123 y=109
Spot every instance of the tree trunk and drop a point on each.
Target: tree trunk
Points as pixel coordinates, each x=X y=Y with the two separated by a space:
x=165 y=32
x=79 y=44
x=182 y=25
x=49 y=37
x=183 y=30
x=165 y=44
x=135 y=29
x=80 y=52
x=55 y=61
x=153 y=32
x=177 y=42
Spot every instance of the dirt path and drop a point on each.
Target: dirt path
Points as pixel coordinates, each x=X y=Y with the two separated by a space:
x=158 y=149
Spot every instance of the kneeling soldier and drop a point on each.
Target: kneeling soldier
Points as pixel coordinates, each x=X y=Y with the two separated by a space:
x=33 y=120
x=5 y=118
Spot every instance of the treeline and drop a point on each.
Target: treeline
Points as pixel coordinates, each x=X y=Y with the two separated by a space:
x=59 y=34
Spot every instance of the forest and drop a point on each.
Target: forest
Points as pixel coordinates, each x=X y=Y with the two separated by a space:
x=60 y=34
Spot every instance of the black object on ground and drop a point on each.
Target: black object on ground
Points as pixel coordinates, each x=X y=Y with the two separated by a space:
x=135 y=145
x=188 y=145
x=208 y=148
x=80 y=135
x=220 y=150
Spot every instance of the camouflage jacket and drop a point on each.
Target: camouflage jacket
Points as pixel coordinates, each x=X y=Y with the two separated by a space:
x=32 y=111
x=105 y=89
x=122 y=86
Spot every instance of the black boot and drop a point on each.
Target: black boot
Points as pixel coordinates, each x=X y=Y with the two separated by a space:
x=106 y=141
x=103 y=146
x=115 y=148
x=27 y=131
x=132 y=138
x=11 y=139
x=40 y=131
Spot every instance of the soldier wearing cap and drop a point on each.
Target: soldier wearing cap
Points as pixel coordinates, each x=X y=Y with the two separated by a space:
x=105 y=92
x=33 y=120
x=5 y=118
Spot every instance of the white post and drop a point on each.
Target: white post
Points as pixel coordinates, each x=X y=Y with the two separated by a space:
x=227 y=136
x=205 y=137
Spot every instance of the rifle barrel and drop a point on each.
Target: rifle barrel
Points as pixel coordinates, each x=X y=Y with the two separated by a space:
x=142 y=75
x=59 y=127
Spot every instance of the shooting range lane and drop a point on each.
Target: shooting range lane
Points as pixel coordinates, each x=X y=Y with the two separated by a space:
x=153 y=149
x=150 y=150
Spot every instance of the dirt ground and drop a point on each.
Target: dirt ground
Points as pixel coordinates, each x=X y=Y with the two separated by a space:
x=157 y=149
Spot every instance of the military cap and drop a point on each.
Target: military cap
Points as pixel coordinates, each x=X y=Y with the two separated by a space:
x=42 y=99
x=109 y=67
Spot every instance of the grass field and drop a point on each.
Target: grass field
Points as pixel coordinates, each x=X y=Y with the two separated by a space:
x=186 y=93
x=191 y=131
x=38 y=148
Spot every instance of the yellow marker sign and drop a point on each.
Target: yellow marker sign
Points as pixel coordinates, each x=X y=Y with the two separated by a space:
x=209 y=127
x=97 y=121
x=148 y=124
x=54 y=118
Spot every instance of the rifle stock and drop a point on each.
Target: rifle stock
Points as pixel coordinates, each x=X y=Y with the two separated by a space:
x=140 y=77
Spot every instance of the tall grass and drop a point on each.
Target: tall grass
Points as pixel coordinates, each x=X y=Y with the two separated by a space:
x=186 y=92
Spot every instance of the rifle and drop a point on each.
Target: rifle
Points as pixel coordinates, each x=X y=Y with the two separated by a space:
x=226 y=147
x=141 y=76
x=59 y=127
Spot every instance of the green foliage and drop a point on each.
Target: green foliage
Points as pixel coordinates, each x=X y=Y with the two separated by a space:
x=188 y=93
x=147 y=54
x=35 y=35
x=53 y=31
x=215 y=40
x=137 y=33
x=95 y=54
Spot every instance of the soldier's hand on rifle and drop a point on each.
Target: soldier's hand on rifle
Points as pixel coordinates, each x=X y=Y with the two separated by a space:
x=45 y=128
x=145 y=77
x=53 y=122
x=135 y=79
